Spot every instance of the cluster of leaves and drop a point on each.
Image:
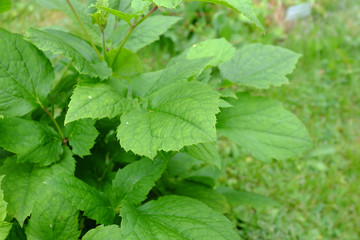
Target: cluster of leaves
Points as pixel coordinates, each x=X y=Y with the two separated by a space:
x=93 y=147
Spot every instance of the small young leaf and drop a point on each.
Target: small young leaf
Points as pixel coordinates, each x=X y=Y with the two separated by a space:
x=82 y=135
x=26 y=75
x=146 y=33
x=263 y=128
x=260 y=66
x=127 y=63
x=79 y=51
x=169 y=123
x=124 y=16
x=203 y=193
x=101 y=232
x=96 y=101
x=5 y=5
x=5 y=228
x=245 y=7
x=175 y=217
x=86 y=198
x=133 y=183
x=238 y=198
x=206 y=152
x=31 y=141
x=167 y=3
x=53 y=218
x=3 y=204
x=23 y=183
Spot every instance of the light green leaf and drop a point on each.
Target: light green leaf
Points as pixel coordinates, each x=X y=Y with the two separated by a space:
x=26 y=75
x=224 y=104
x=203 y=193
x=30 y=140
x=5 y=5
x=3 y=204
x=175 y=217
x=146 y=33
x=111 y=232
x=167 y=3
x=139 y=6
x=53 y=218
x=219 y=50
x=96 y=101
x=5 y=228
x=81 y=10
x=238 y=198
x=127 y=63
x=178 y=115
x=133 y=183
x=263 y=128
x=86 y=198
x=206 y=152
x=82 y=135
x=260 y=66
x=79 y=51
x=23 y=183
x=124 y=16
x=245 y=7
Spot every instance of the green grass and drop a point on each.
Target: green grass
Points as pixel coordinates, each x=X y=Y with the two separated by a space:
x=320 y=192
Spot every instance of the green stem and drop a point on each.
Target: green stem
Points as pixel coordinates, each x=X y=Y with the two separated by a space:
x=54 y=121
x=103 y=44
x=132 y=27
x=83 y=28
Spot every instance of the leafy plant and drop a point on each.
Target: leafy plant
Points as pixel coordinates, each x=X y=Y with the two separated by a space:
x=68 y=99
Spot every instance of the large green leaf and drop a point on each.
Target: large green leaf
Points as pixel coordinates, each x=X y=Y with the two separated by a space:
x=30 y=140
x=96 y=101
x=127 y=63
x=146 y=33
x=167 y=3
x=203 y=193
x=5 y=228
x=23 y=183
x=81 y=10
x=3 y=204
x=53 y=218
x=238 y=198
x=79 y=51
x=177 y=115
x=5 y=5
x=86 y=198
x=26 y=75
x=260 y=66
x=263 y=128
x=82 y=135
x=245 y=7
x=133 y=183
x=111 y=232
x=206 y=152
x=175 y=217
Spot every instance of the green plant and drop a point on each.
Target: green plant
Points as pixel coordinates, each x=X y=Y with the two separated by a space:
x=66 y=103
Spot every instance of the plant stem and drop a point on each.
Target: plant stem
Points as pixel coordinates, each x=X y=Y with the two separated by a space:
x=83 y=28
x=103 y=44
x=54 y=121
x=132 y=27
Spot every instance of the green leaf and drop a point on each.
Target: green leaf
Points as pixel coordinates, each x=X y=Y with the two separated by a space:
x=245 y=7
x=127 y=63
x=53 y=218
x=219 y=50
x=206 y=152
x=260 y=66
x=238 y=198
x=111 y=232
x=23 y=183
x=82 y=135
x=167 y=3
x=86 y=198
x=81 y=10
x=5 y=5
x=175 y=217
x=79 y=51
x=177 y=115
x=5 y=228
x=96 y=101
x=133 y=183
x=146 y=33
x=3 y=204
x=26 y=75
x=263 y=128
x=203 y=193
x=30 y=140
x=124 y=16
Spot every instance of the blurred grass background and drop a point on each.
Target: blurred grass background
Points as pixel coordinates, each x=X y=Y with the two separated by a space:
x=320 y=192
